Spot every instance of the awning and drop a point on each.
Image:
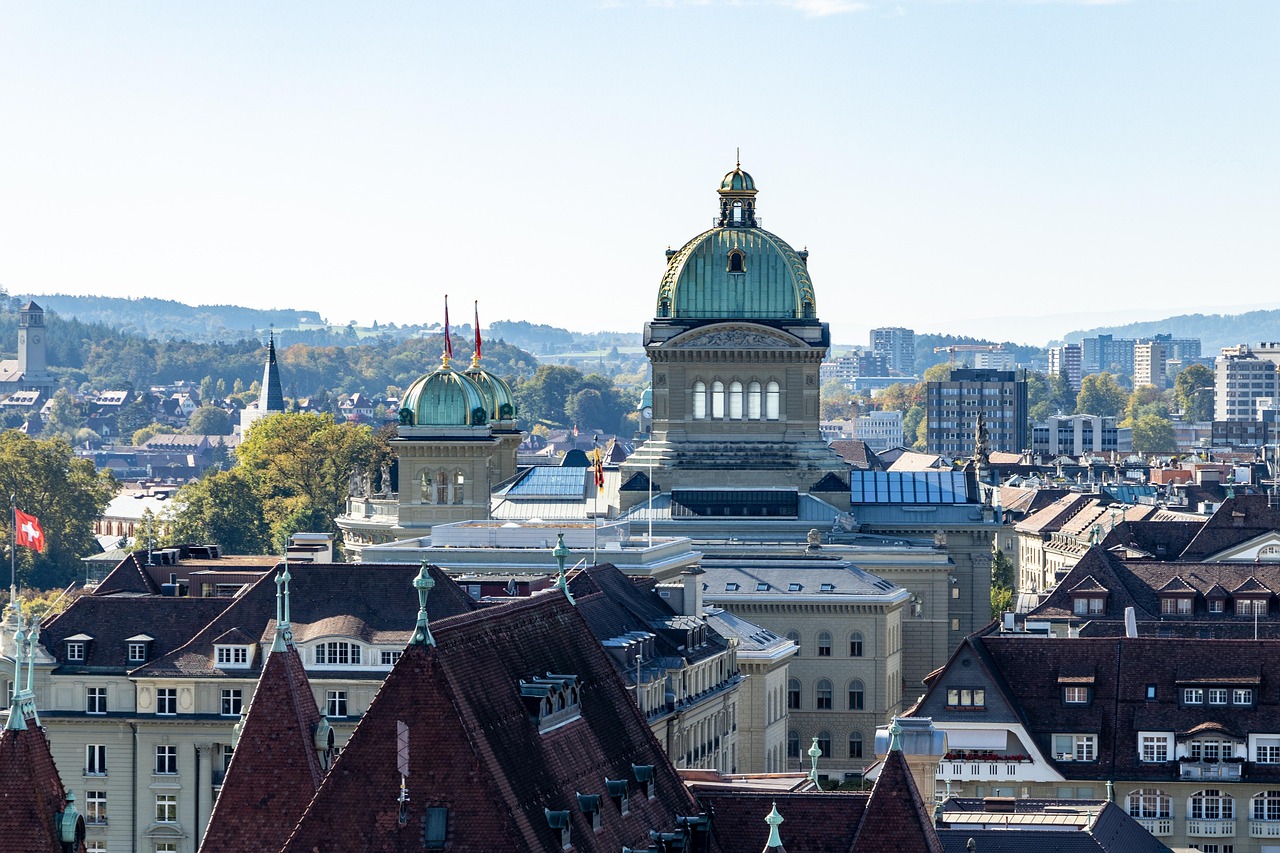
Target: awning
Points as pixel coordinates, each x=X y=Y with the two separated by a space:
x=976 y=738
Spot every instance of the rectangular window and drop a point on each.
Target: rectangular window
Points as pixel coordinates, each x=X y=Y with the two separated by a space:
x=166 y=808
x=95 y=847
x=1217 y=696
x=95 y=759
x=1192 y=696
x=167 y=701
x=231 y=703
x=233 y=655
x=95 y=700
x=336 y=703
x=166 y=847
x=75 y=651
x=964 y=697
x=95 y=807
x=1242 y=696
x=1267 y=750
x=166 y=760
x=1151 y=691
x=437 y=826
x=1216 y=605
x=389 y=658
x=137 y=652
x=1155 y=748
x=1081 y=606
x=1075 y=747
x=1076 y=695
x=337 y=653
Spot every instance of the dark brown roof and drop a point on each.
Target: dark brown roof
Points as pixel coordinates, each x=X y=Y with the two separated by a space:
x=896 y=818
x=361 y=600
x=275 y=769
x=475 y=749
x=113 y=620
x=811 y=822
x=31 y=792
x=856 y=452
x=1236 y=521
x=128 y=576
x=1023 y=502
x=1160 y=540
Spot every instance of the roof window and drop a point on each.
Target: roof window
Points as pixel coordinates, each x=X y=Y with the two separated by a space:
x=560 y=820
x=552 y=700
x=617 y=789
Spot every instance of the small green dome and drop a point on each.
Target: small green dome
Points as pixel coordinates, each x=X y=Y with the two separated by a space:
x=500 y=403
x=738 y=181
x=444 y=398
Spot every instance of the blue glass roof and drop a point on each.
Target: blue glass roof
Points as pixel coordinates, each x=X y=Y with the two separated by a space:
x=551 y=482
x=908 y=487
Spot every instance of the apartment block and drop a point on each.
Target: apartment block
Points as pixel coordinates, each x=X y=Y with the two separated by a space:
x=952 y=409
x=1066 y=360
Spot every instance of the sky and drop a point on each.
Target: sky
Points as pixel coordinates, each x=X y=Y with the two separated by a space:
x=1007 y=168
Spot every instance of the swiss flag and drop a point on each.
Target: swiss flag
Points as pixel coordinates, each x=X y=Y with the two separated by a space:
x=29 y=534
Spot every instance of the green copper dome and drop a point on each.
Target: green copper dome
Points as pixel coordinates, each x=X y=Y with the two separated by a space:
x=737 y=270
x=444 y=398
x=500 y=403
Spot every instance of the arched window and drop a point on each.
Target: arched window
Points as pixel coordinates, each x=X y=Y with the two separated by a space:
x=442 y=487
x=717 y=399
x=753 y=401
x=793 y=694
x=855 y=644
x=855 y=744
x=1211 y=804
x=737 y=261
x=459 y=487
x=857 y=695
x=1269 y=552
x=824 y=645
x=793 y=744
x=822 y=695
x=737 y=213
x=428 y=486
x=1265 y=805
x=1149 y=803
x=794 y=636
x=699 y=400
x=772 y=401
x=824 y=743
x=735 y=400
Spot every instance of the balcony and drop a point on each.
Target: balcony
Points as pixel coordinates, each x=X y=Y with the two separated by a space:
x=1222 y=771
x=984 y=766
x=1264 y=829
x=1210 y=828
x=1157 y=826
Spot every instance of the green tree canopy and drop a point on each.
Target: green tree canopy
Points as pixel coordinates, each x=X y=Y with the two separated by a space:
x=222 y=508
x=1145 y=398
x=1154 y=434
x=142 y=436
x=65 y=493
x=209 y=420
x=1101 y=395
x=1193 y=392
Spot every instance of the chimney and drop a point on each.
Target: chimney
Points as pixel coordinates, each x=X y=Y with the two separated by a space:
x=1130 y=623
x=691 y=604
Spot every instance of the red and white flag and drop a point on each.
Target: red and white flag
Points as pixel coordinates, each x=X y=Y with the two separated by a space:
x=28 y=531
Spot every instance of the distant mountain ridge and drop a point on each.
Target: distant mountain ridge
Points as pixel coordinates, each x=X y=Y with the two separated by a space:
x=1214 y=330
x=168 y=319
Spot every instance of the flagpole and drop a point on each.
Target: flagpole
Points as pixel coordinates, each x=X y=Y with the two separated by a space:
x=13 y=552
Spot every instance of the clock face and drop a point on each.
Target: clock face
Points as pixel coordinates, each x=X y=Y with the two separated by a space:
x=647 y=412
x=35 y=339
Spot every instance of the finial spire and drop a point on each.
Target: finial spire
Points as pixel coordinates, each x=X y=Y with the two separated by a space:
x=447 y=355
x=284 y=631
x=23 y=705
x=774 y=820
x=561 y=552
x=895 y=736
x=475 y=357
x=814 y=754
x=422 y=632
x=737 y=164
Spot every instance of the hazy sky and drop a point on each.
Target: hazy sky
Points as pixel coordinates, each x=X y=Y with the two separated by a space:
x=980 y=166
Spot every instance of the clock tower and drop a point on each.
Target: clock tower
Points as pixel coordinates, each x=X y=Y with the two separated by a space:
x=33 y=363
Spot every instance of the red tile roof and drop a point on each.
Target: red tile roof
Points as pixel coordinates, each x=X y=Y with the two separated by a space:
x=275 y=770
x=896 y=817
x=31 y=793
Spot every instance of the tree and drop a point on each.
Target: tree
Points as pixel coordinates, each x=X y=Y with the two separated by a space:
x=837 y=401
x=209 y=420
x=1145 y=398
x=938 y=373
x=542 y=397
x=1154 y=434
x=300 y=464
x=911 y=425
x=65 y=493
x=142 y=436
x=1100 y=395
x=1193 y=392
x=206 y=390
x=66 y=417
x=1002 y=582
x=221 y=508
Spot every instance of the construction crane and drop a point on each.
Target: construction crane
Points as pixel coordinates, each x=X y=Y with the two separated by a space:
x=955 y=348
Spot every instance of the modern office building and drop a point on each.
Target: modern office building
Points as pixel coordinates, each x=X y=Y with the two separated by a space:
x=1077 y=435
x=1066 y=361
x=952 y=408
x=897 y=346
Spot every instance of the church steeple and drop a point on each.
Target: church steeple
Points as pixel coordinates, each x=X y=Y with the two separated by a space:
x=737 y=200
x=272 y=396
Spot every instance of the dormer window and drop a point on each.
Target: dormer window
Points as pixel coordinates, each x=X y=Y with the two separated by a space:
x=590 y=805
x=731 y=587
x=1175 y=605
x=762 y=587
x=618 y=792
x=1089 y=605
x=552 y=700
x=737 y=260
x=1251 y=607
x=232 y=657
x=137 y=648
x=77 y=647
x=560 y=820
x=827 y=587
x=337 y=653
x=644 y=776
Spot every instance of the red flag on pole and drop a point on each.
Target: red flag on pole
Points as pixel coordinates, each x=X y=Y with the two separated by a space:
x=448 y=339
x=28 y=532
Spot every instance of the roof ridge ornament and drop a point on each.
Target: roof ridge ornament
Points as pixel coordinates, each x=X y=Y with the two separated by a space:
x=774 y=819
x=284 y=630
x=23 y=703
x=447 y=355
x=423 y=583
x=561 y=552
x=475 y=356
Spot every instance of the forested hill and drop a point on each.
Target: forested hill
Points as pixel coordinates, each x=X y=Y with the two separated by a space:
x=1214 y=330
x=165 y=319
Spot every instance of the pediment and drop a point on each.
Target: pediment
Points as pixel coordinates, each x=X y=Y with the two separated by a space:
x=736 y=336
x=1263 y=549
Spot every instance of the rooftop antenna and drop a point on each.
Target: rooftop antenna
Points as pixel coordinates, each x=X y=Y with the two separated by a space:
x=402 y=764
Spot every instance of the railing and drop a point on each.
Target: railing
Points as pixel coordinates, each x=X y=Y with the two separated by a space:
x=1226 y=770
x=1264 y=829
x=1157 y=826
x=1210 y=828
x=982 y=768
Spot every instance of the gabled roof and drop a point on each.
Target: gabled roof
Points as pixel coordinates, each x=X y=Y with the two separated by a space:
x=366 y=601
x=275 y=769
x=1051 y=518
x=856 y=452
x=1161 y=540
x=896 y=818
x=1251 y=586
x=1176 y=584
x=1088 y=584
x=31 y=792
x=1237 y=520
x=128 y=576
x=113 y=621
x=475 y=749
